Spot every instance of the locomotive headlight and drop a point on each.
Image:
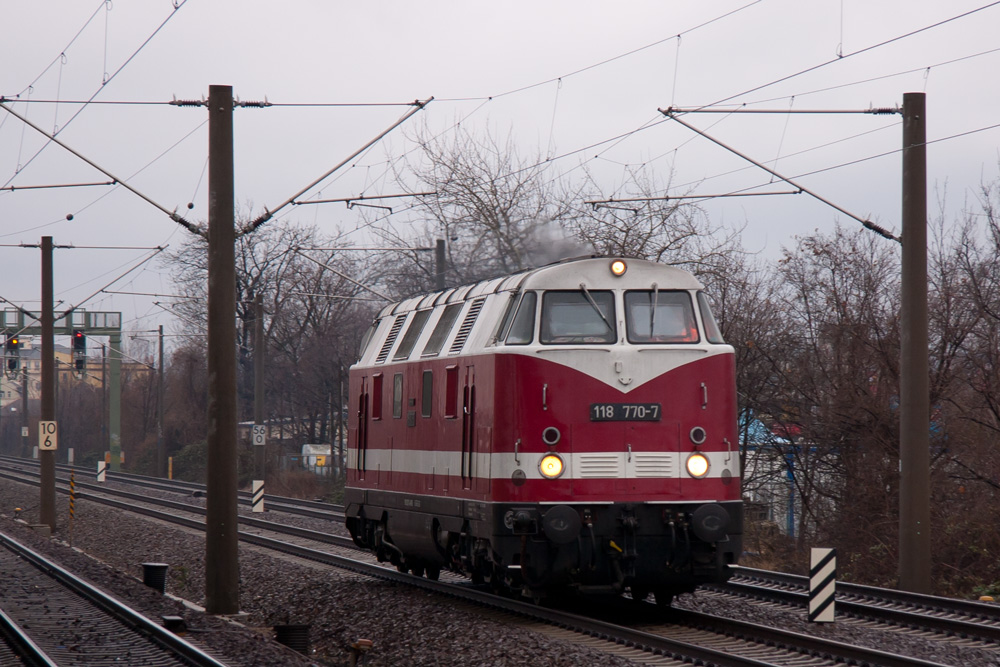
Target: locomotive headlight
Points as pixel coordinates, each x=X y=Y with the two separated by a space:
x=697 y=465
x=551 y=466
x=618 y=267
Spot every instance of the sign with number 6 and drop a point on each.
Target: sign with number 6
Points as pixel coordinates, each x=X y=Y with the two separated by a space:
x=48 y=436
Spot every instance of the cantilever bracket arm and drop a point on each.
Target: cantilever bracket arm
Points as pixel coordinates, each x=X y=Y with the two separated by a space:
x=881 y=231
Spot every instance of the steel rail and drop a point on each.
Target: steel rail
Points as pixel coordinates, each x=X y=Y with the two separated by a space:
x=608 y=631
x=312 y=508
x=849 y=653
x=593 y=627
x=970 y=608
x=261 y=524
x=113 y=607
x=749 y=632
x=28 y=652
x=874 y=612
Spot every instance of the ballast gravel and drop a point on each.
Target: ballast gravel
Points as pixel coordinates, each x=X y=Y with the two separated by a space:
x=405 y=626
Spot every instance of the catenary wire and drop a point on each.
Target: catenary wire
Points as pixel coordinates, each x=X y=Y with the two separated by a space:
x=607 y=60
x=173 y=103
x=177 y=5
x=866 y=49
x=172 y=214
x=859 y=82
x=62 y=52
x=485 y=100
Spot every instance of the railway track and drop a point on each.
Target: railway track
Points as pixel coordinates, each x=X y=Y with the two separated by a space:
x=316 y=509
x=961 y=619
x=675 y=636
x=51 y=617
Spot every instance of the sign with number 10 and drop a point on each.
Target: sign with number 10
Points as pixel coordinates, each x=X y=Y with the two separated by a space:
x=48 y=436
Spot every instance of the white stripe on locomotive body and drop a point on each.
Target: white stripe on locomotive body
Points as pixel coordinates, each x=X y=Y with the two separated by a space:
x=638 y=364
x=578 y=465
x=620 y=365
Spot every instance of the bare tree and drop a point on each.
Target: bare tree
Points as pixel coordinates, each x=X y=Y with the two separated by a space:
x=499 y=212
x=314 y=314
x=833 y=376
x=639 y=219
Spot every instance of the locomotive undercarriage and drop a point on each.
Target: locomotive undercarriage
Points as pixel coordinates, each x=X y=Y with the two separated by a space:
x=535 y=550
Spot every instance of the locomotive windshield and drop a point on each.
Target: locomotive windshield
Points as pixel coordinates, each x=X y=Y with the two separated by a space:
x=578 y=317
x=654 y=316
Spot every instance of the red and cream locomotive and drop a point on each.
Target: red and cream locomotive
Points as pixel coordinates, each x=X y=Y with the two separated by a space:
x=571 y=426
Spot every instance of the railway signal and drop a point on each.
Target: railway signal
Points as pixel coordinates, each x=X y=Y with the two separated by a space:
x=79 y=352
x=13 y=354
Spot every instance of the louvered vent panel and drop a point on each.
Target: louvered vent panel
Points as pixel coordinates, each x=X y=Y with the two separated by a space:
x=657 y=464
x=383 y=354
x=599 y=465
x=467 y=324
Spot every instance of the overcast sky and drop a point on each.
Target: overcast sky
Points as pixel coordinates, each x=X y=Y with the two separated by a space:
x=579 y=82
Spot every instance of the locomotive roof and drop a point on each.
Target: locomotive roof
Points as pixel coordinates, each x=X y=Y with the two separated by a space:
x=591 y=270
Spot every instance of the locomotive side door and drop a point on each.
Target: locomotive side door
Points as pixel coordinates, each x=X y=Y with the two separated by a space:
x=362 y=432
x=469 y=428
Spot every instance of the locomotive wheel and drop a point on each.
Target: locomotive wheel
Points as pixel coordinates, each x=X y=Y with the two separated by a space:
x=401 y=567
x=433 y=572
x=663 y=598
x=418 y=571
x=639 y=594
x=535 y=596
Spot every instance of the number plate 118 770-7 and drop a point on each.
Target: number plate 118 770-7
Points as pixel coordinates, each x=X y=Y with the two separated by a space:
x=625 y=412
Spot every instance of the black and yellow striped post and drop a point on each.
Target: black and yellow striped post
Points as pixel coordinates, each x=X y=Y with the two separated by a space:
x=72 y=503
x=822 y=585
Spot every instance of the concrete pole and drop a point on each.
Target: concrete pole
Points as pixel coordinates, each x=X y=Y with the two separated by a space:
x=259 y=359
x=161 y=456
x=104 y=400
x=914 y=383
x=25 y=412
x=115 y=400
x=47 y=458
x=222 y=594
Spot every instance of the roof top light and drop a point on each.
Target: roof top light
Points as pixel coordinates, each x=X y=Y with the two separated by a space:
x=618 y=267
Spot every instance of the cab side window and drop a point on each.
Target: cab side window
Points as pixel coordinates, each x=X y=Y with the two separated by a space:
x=522 y=329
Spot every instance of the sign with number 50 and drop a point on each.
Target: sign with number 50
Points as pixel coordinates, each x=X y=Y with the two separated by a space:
x=48 y=436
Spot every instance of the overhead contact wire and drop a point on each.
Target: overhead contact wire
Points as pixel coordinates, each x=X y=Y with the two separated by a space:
x=64 y=49
x=865 y=222
x=172 y=214
x=177 y=5
x=855 y=53
x=418 y=106
x=608 y=60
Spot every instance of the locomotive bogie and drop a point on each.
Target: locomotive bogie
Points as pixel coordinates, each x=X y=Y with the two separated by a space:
x=591 y=547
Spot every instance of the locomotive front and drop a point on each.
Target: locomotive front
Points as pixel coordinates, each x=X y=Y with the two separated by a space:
x=621 y=406
x=571 y=426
